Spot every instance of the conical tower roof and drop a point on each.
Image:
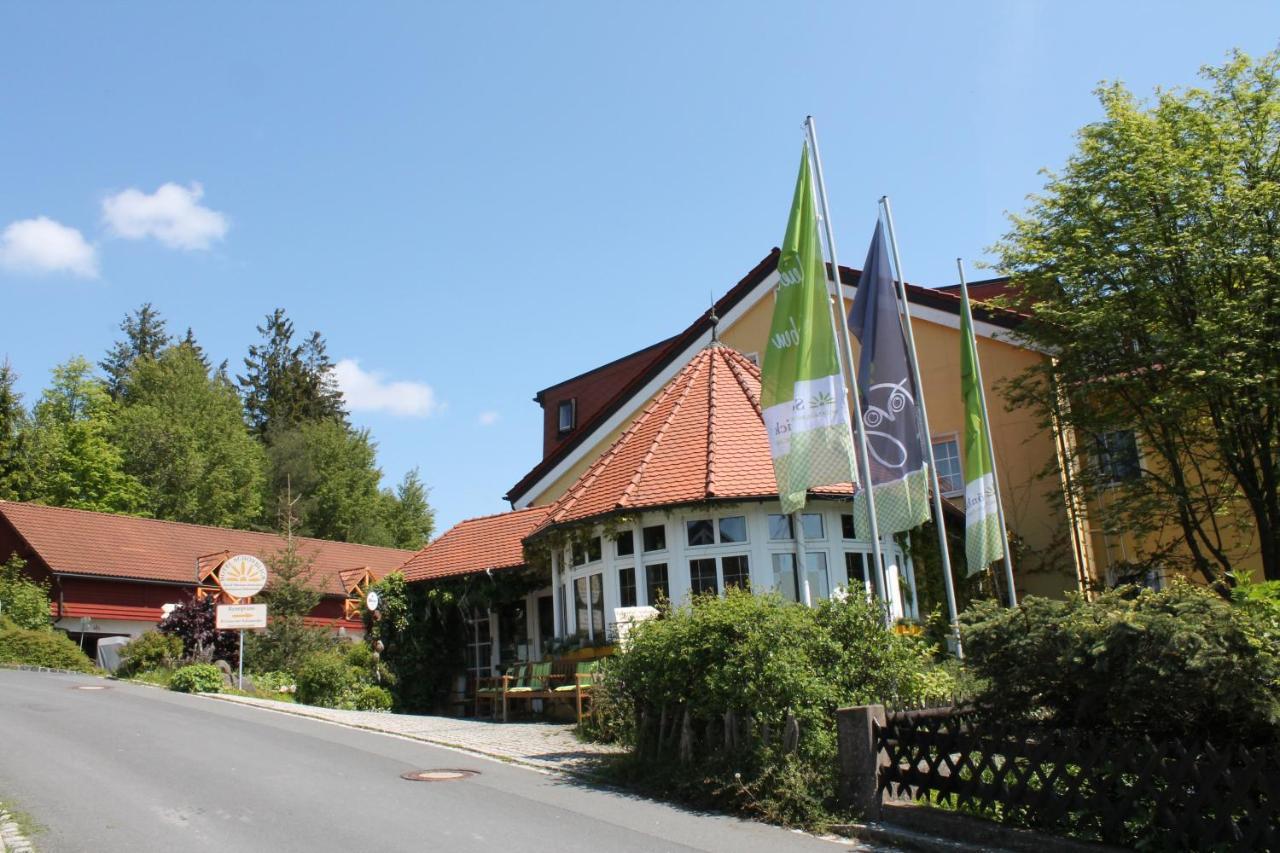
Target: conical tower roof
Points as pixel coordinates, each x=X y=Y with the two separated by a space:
x=701 y=439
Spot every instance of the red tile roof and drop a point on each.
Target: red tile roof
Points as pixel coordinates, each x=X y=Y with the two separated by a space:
x=79 y=542
x=488 y=542
x=701 y=439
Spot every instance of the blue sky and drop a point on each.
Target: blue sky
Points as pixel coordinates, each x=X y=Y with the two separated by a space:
x=473 y=202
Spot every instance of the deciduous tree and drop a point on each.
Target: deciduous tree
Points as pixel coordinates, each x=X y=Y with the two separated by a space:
x=1151 y=268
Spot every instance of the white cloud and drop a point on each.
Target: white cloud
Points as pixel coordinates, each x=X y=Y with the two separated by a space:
x=487 y=418
x=171 y=214
x=41 y=245
x=371 y=391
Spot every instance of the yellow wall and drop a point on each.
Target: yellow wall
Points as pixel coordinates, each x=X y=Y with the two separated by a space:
x=1022 y=450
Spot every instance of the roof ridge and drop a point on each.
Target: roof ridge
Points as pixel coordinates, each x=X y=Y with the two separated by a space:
x=689 y=370
x=739 y=366
x=190 y=524
x=544 y=507
x=709 y=482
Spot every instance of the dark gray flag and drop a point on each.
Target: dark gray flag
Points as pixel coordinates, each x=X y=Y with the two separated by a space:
x=890 y=411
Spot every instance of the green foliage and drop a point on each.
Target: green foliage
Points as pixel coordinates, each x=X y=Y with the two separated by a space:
x=290 y=596
x=287 y=385
x=23 y=601
x=274 y=683
x=759 y=656
x=333 y=470
x=372 y=698
x=40 y=647
x=13 y=436
x=1181 y=662
x=182 y=435
x=1151 y=267
x=145 y=337
x=325 y=679
x=150 y=651
x=410 y=518
x=74 y=461
x=197 y=678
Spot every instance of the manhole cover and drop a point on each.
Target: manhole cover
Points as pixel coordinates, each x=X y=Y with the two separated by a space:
x=90 y=687
x=442 y=775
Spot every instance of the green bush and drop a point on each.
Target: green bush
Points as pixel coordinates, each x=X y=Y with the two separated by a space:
x=1181 y=662
x=325 y=679
x=373 y=698
x=150 y=651
x=197 y=678
x=22 y=601
x=274 y=682
x=40 y=647
x=762 y=660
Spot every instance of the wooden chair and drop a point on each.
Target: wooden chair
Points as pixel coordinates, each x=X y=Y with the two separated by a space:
x=499 y=688
x=586 y=675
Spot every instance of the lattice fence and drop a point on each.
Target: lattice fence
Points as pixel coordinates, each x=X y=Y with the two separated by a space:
x=1131 y=791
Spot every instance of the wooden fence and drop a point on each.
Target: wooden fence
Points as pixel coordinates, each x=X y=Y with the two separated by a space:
x=1173 y=794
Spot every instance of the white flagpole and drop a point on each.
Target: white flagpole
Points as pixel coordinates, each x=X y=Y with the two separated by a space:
x=927 y=438
x=856 y=415
x=991 y=448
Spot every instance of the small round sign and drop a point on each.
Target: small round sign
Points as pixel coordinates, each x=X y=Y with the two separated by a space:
x=242 y=576
x=371 y=600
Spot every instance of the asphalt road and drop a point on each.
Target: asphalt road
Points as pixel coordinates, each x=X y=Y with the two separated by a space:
x=131 y=768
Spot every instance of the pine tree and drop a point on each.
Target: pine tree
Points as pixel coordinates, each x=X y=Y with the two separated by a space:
x=411 y=517
x=13 y=424
x=145 y=337
x=286 y=385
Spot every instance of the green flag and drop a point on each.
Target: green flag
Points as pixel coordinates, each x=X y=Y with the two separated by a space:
x=983 y=542
x=802 y=394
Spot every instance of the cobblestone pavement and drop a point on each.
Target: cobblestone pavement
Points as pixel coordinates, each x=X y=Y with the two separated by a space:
x=549 y=746
x=11 y=838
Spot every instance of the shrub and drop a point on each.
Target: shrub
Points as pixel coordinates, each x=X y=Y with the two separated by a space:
x=22 y=601
x=761 y=659
x=274 y=682
x=197 y=678
x=150 y=651
x=1181 y=662
x=40 y=647
x=194 y=622
x=373 y=698
x=325 y=679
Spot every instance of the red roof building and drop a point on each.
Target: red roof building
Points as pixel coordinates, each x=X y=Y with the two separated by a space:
x=118 y=571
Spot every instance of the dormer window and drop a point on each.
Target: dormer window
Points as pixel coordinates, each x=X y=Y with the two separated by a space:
x=568 y=415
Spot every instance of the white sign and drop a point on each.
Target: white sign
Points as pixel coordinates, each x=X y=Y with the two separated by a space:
x=242 y=576
x=371 y=600
x=237 y=617
x=626 y=617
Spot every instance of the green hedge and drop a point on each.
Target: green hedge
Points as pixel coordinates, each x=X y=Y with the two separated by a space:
x=345 y=677
x=197 y=678
x=1177 y=663
x=150 y=651
x=761 y=657
x=40 y=647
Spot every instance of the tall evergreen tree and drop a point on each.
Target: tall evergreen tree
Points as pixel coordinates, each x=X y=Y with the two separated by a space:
x=74 y=461
x=144 y=337
x=410 y=518
x=287 y=384
x=13 y=423
x=182 y=435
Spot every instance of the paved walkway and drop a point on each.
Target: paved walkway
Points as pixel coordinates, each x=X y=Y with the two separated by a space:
x=548 y=746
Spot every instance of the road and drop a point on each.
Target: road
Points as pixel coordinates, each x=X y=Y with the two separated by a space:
x=132 y=768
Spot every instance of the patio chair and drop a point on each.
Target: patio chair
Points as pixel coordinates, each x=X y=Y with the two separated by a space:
x=585 y=676
x=537 y=686
x=497 y=688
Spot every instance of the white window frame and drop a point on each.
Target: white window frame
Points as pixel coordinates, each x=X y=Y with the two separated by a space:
x=943 y=438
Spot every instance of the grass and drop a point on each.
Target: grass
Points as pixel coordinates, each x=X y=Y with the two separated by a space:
x=27 y=825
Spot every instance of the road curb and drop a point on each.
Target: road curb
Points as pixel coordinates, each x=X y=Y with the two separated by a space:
x=296 y=711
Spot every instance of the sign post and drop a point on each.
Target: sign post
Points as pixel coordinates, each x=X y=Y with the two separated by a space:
x=242 y=576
